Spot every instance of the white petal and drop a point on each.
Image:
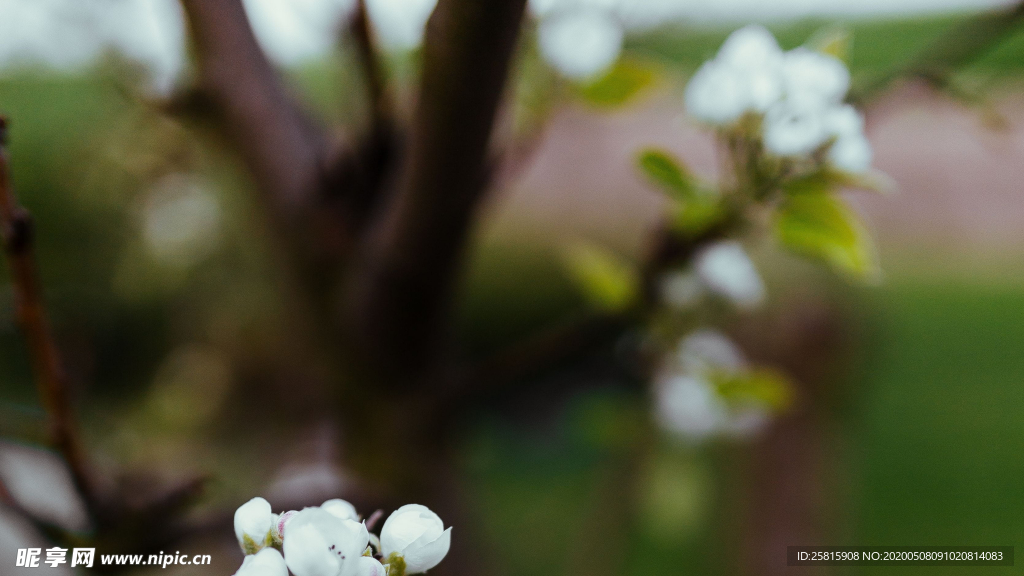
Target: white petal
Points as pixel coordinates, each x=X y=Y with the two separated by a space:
x=267 y=562
x=580 y=44
x=307 y=553
x=814 y=74
x=717 y=93
x=365 y=566
x=844 y=121
x=406 y=526
x=725 y=268
x=751 y=47
x=689 y=406
x=851 y=154
x=794 y=128
x=341 y=508
x=253 y=519
x=422 y=556
x=318 y=543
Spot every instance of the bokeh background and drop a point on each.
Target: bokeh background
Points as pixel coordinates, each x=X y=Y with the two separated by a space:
x=164 y=288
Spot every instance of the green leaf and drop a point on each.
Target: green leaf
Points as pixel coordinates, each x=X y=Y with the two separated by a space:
x=762 y=386
x=832 y=40
x=824 y=227
x=664 y=170
x=698 y=214
x=607 y=281
x=626 y=79
x=827 y=179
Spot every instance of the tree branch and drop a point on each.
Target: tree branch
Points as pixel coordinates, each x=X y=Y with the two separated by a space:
x=402 y=284
x=280 y=146
x=370 y=167
x=62 y=427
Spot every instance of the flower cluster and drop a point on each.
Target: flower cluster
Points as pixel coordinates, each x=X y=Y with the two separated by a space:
x=795 y=97
x=330 y=540
x=688 y=395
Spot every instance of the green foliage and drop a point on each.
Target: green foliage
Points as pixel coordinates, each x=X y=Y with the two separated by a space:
x=627 y=79
x=664 y=170
x=763 y=386
x=823 y=226
x=607 y=281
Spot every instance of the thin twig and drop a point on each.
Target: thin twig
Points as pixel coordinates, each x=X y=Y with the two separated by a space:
x=52 y=381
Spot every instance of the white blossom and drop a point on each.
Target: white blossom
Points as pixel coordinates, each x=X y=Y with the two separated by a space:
x=581 y=44
x=851 y=151
x=750 y=48
x=811 y=74
x=851 y=154
x=689 y=406
x=844 y=121
x=727 y=270
x=717 y=93
x=794 y=128
x=318 y=543
x=267 y=562
x=253 y=521
x=418 y=535
x=341 y=508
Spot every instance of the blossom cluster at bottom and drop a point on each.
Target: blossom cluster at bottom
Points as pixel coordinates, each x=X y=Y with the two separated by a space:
x=330 y=540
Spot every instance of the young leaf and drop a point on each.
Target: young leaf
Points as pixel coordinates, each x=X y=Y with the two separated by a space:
x=762 y=386
x=662 y=169
x=832 y=40
x=822 y=226
x=698 y=214
x=622 y=83
x=607 y=281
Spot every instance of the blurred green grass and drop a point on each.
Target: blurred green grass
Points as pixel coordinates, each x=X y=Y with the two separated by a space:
x=938 y=436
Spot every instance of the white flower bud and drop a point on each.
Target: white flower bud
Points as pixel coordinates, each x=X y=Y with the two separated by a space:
x=725 y=268
x=689 y=406
x=580 y=44
x=717 y=93
x=810 y=74
x=341 y=509
x=844 y=121
x=794 y=127
x=253 y=521
x=751 y=48
x=416 y=534
x=851 y=154
x=317 y=543
x=267 y=562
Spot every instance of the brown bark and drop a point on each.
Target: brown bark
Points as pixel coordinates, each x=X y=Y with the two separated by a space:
x=404 y=278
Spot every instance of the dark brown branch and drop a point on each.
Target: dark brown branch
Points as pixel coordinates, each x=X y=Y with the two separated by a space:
x=281 y=147
x=403 y=282
x=961 y=45
x=369 y=168
x=62 y=428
